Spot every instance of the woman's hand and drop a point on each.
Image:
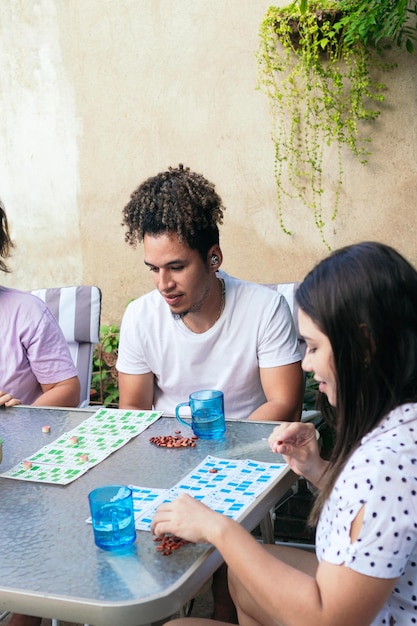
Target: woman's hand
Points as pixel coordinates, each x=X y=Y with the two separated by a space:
x=7 y=400
x=297 y=442
x=187 y=518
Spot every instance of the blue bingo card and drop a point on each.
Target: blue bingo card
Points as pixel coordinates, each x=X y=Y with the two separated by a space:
x=228 y=486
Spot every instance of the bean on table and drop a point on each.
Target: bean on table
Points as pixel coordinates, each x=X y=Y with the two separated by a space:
x=174 y=441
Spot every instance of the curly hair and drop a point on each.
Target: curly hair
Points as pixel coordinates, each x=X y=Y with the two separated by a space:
x=177 y=200
x=5 y=241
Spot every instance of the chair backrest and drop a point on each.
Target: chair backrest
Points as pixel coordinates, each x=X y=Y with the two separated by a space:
x=77 y=311
x=288 y=291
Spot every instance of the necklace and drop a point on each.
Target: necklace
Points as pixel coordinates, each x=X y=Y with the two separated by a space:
x=221 y=308
x=223 y=300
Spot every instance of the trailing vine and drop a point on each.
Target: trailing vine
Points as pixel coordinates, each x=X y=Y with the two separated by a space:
x=315 y=61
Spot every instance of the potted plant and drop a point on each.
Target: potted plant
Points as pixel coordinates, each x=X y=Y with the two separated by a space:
x=316 y=64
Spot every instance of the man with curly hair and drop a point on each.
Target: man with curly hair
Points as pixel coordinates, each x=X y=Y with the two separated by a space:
x=201 y=328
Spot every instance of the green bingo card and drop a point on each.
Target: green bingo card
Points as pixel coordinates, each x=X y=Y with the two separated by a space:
x=74 y=452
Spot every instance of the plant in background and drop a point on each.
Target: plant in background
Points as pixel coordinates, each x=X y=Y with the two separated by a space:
x=315 y=61
x=381 y=23
x=104 y=387
x=311 y=388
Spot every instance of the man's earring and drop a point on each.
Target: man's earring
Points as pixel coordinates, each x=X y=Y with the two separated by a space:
x=214 y=259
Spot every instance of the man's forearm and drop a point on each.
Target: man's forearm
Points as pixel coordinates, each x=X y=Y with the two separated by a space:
x=276 y=411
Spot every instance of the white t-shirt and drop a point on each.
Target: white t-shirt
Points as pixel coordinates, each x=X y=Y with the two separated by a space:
x=255 y=330
x=382 y=475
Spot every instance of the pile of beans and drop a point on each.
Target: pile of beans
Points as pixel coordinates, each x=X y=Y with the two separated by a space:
x=174 y=441
x=167 y=544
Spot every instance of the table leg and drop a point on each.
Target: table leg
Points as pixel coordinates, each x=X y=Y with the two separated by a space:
x=267 y=528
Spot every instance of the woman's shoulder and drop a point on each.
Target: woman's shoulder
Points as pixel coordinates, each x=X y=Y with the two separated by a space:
x=10 y=296
x=386 y=454
x=397 y=431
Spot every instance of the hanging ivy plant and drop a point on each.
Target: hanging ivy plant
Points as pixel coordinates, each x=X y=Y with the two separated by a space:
x=316 y=60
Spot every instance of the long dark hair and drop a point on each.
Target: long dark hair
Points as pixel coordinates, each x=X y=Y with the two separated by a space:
x=6 y=244
x=364 y=299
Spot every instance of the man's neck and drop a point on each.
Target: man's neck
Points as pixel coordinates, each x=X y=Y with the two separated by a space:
x=201 y=321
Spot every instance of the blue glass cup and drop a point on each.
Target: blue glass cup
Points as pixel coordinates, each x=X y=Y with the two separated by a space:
x=207 y=413
x=112 y=517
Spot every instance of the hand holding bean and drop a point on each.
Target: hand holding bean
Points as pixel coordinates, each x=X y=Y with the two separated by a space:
x=297 y=442
x=6 y=399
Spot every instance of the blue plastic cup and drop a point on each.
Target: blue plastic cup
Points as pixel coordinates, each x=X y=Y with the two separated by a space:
x=207 y=413
x=112 y=517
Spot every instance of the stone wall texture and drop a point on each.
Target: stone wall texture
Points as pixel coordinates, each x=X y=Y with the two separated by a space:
x=97 y=95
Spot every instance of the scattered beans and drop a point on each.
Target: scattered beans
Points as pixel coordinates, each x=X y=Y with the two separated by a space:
x=174 y=441
x=169 y=543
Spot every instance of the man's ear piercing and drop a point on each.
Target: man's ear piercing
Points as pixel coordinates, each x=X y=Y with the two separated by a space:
x=214 y=259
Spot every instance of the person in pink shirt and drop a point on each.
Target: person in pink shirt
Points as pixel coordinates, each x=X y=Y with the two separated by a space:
x=35 y=363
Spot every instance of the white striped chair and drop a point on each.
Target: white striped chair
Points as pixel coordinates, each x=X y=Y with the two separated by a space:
x=288 y=291
x=77 y=311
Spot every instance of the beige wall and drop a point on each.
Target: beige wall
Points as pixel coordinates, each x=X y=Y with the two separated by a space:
x=97 y=95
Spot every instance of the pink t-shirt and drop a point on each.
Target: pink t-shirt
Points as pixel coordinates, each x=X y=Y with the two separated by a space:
x=33 y=349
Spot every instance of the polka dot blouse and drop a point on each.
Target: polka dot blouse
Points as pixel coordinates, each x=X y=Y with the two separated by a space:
x=382 y=475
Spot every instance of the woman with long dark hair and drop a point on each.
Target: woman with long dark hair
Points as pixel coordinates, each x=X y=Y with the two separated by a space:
x=358 y=317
